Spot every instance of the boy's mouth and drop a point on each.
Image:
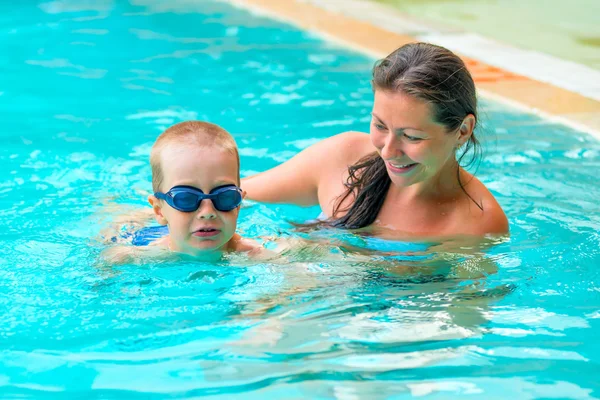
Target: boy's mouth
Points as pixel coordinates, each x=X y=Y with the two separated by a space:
x=206 y=232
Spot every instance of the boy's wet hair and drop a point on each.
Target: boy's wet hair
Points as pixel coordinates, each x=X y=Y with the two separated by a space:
x=194 y=133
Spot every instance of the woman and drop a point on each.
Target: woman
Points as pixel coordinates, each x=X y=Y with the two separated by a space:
x=406 y=175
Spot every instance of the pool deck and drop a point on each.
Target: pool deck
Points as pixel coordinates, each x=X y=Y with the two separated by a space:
x=559 y=90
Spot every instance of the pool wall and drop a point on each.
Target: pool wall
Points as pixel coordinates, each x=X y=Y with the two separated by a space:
x=559 y=90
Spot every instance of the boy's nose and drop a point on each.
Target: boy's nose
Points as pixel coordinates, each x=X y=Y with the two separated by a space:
x=206 y=210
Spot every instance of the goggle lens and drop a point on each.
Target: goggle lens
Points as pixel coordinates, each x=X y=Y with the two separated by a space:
x=188 y=199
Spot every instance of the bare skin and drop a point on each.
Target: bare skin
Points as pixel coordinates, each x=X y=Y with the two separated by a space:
x=159 y=250
x=424 y=200
x=204 y=168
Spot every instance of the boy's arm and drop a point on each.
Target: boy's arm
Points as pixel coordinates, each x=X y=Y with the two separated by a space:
x=128 y=254
x=119 y=255
x=135 y=218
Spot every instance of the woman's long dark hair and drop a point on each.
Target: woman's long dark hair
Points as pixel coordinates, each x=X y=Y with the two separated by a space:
x=434 y=75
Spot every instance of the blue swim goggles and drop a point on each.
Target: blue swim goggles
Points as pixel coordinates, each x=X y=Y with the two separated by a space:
x=188 y=198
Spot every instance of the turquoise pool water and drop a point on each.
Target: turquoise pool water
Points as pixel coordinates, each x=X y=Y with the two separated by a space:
x=86 y=87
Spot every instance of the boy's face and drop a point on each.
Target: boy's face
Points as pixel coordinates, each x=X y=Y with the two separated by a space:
x=204 y=168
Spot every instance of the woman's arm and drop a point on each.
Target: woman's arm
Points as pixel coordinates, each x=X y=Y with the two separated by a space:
x=298 y=180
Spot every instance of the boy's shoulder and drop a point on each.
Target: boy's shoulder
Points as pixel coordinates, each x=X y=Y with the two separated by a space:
x=252 y=249
x=239 y=244
x=129 y=254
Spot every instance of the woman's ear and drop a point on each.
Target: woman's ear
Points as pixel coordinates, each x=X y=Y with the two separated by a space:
x=466 y=129
x=156 y=207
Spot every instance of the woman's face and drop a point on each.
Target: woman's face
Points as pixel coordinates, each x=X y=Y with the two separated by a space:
x=414 y=147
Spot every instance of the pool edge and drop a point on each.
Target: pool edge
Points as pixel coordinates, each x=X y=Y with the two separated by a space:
x=542 y=98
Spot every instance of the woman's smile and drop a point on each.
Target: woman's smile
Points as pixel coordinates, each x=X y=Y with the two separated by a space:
x=401 y=168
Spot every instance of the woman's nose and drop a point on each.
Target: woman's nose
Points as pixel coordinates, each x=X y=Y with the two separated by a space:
x=206 y=210
x=392 y=148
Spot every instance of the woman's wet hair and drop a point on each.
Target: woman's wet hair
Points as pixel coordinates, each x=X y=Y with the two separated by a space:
x=429 y=73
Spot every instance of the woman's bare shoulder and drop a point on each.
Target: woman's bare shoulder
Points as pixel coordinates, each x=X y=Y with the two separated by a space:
x=494 y=220
x=487 y=215
x=357 y=144
x=346 y=148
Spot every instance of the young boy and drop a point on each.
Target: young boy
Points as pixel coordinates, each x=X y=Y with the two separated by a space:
x=195 y=180
x=196 y=194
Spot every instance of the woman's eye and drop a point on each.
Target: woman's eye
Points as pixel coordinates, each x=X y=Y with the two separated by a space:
x=413 y=138
x=379 y=127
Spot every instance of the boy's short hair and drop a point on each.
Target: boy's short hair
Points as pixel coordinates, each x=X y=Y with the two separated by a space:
x=195 y=133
